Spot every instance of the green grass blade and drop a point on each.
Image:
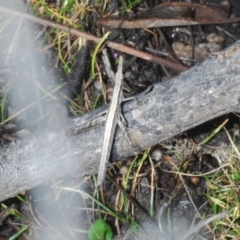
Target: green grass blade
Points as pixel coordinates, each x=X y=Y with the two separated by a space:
x=96 y=51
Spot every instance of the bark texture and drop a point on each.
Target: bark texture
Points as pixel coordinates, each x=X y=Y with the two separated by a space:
x=205 y=92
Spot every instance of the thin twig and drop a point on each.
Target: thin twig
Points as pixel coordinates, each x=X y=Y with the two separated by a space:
x=131 y=199
x=160 y=22
x=111 y=124
x=203 y=223
x=120 y=47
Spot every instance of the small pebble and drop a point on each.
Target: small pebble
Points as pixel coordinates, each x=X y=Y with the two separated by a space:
x=124 y=170
x=195 y=180
x=157 y=154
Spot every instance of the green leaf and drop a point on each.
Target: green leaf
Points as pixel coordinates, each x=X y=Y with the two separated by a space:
x=100 y=230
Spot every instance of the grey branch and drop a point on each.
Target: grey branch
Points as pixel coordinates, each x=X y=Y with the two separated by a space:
x=207 y=91
x=111 y=124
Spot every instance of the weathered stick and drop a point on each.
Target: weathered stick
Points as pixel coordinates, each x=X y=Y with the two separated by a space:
x=194 y=97
x=112 y=118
